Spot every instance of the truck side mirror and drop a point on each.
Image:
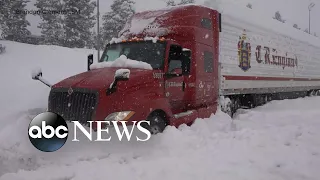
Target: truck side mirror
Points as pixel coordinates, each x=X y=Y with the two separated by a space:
x=37 y=75
x=120 y=75
x=186 y=61
x=90 y=61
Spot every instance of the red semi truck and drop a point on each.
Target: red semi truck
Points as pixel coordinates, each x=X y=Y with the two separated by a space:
x=198 y=60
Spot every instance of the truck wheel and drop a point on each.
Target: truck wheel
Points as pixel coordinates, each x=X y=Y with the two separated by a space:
x=157 y=123
x=313 y=93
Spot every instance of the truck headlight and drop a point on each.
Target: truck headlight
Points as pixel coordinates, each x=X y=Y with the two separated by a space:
x=119 y=116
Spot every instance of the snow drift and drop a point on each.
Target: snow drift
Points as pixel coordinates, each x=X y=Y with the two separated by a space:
x=20 y=60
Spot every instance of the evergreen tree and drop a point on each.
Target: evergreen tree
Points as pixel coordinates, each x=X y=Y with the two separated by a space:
x=94 y=43
x=2 y=11
x=1 y=37
x=52 y=24
x=115 y=20
x=171 y=3
x=186 y=2
x=94 y=40
x=13 y=20
x=249 y=5
x=78 y=22
x=2 y=5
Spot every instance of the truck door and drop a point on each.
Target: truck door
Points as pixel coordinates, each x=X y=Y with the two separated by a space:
x=174 y=81
x=207 y=78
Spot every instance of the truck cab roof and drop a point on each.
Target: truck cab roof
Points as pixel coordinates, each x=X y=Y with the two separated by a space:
x=192 y=22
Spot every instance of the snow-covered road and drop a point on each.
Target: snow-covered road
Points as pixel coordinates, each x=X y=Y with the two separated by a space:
x=279 y=141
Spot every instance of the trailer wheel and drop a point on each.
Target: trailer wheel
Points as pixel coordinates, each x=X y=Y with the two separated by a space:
x=314 y=93
x=157 y=123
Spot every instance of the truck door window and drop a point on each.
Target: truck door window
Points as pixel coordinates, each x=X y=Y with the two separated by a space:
x=175 y=58
x=174 y=65
x=208 y=61
x=186 y=61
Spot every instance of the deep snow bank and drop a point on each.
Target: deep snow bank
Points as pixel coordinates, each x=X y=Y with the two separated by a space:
x=21 y=97
x=277 y=141
x=18 y=90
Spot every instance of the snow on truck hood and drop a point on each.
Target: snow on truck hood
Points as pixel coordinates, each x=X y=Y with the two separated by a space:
x=102 y=78
x=123 y=62
x=102 y=74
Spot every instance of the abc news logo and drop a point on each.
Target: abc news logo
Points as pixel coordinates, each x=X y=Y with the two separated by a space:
x=48 y=131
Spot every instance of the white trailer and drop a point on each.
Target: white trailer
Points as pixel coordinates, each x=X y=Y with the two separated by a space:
x=262 y=59
x=262 y=55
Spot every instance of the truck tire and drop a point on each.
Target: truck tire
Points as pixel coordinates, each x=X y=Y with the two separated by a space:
x=314 y=93
x=157 y=123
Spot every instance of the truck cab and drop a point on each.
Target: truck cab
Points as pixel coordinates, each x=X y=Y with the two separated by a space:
x=181 y=46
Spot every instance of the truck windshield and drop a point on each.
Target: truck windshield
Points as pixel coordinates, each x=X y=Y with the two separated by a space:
x=146 y=51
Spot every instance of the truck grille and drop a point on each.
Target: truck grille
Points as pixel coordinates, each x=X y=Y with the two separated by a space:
x=80 y=105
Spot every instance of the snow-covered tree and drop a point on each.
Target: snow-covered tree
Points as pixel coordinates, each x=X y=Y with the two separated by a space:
x=78 y=22
x=296 y=26
x=171 y=3
x=182 y=2
x=2 y=6
x=306 y=30
x=186 y=2
x=13 y=19
x=52 y=23
x=249 y=5
x=115 y=20
x=95 y=41
x=278 y=17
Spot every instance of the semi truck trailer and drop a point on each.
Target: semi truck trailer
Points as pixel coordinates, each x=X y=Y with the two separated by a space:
x=174 y=65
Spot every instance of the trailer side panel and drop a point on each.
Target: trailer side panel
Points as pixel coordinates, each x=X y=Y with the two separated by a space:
x=255 y=59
